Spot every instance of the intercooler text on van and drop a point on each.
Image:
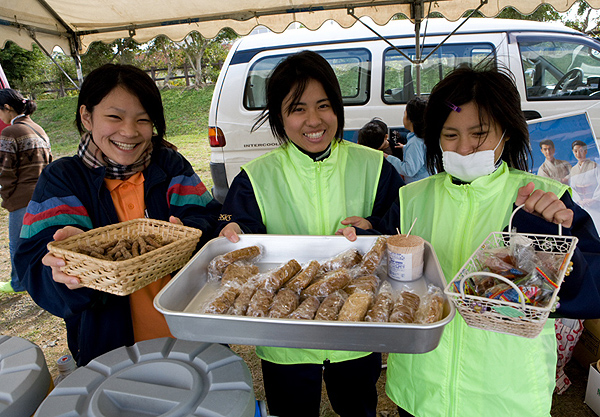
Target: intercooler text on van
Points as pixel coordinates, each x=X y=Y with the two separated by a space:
x=259 y=145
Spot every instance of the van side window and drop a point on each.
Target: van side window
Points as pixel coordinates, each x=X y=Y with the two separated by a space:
x=560 y=69
x=351 y=66
x=399 y=74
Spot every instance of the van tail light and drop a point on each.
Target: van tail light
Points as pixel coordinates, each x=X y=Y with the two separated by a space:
x=216 y=138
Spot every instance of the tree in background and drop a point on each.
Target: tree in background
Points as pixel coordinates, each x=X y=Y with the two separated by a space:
x=206 y=56
x=24 y=69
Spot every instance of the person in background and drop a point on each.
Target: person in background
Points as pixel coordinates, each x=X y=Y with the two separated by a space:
x=123 y=170
x=412 y=167
x=24 y=152
x=306 y=114
x=374 y=134
x=477 y=139
x=553 y=168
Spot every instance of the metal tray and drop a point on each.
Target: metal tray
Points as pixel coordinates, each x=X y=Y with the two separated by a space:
x=180 y=301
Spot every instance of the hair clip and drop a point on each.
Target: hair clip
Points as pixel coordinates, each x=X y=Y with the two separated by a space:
x=453 y=107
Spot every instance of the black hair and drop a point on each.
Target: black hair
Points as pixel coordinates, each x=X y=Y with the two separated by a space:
x=494 y=92
x=292 y=75
x=578 y=142
x=547 y=142
x=15 y=100
x=101 y=81
x=415 y=111
x=372 y=133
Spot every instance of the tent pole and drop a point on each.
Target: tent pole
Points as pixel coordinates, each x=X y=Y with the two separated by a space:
x=417 y=14
x=32 y=35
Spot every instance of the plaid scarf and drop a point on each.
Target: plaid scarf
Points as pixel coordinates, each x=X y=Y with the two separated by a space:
x=93 y=157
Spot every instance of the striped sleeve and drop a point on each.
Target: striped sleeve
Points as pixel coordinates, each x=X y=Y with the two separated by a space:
x=188 y=190
x=55 y=211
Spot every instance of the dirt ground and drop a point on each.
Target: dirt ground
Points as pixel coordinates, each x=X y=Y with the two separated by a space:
x=20 y=316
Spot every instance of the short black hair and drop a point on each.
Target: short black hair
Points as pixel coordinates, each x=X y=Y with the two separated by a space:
x=293 y=75
x=372 y=133
x=578 y=142
x=101 y=81
x=496 y=96
x=548 y=142
x=415 y=110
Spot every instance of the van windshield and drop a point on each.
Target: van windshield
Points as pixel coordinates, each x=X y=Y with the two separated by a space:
x=558 y=69
x=399 y=76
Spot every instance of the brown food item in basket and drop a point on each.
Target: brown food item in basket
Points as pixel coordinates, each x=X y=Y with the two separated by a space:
x=332 y=281
x=373 y=257
x=223 y=301
x=365 y=283
x=306 y=310
x=284 y=302
x=260 y=303
x=241 y=303
x=346 y=259
x=381 y=309
x=123 y=248
x=281 y=275
x=238 y=273
x=301 y=280
x=405 y=308
x=219 y=263
x=331 y=306
x=356 y=306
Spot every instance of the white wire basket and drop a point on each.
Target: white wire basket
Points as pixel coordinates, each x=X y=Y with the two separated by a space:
x=501 y=316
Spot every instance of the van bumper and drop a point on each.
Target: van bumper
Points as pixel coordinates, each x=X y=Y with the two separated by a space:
x=219 y=177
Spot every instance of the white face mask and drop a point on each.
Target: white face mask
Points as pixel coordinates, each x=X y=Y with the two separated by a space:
x=468 y=168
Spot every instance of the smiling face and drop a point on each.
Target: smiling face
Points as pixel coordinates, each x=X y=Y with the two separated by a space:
x=310 y=123
x=463 y=132
x=580 y=152
x=119 y=125
x=548 y=152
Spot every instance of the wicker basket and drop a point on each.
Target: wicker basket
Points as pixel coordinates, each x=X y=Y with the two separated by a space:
x=501 y=316
x=127 y=276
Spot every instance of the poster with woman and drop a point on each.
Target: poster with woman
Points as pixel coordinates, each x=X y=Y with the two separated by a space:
x=565 y=148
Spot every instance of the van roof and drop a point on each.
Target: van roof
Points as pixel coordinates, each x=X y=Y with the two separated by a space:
x=395 y=29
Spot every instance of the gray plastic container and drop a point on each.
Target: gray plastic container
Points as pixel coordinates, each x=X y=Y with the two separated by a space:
x=160 y=377
x=24 y=377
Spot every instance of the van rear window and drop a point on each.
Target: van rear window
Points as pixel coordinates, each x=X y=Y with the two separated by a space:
x=351 y=66
x=399 y=79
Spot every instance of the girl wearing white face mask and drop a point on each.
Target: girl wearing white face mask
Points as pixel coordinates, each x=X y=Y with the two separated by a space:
x=477 y=138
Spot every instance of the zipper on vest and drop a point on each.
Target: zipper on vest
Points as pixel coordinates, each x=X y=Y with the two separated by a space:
x=319 y=193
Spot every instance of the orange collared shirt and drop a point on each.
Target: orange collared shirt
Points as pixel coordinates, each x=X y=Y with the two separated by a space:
x=128 y=198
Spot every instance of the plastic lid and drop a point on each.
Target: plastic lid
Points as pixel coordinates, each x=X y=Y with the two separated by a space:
x=160 y=377
x=66 y=364
x=24 y=377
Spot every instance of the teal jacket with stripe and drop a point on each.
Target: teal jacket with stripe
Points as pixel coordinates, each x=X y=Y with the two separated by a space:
x=70 y=194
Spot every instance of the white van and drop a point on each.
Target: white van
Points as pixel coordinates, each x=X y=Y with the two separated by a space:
x=557 y=71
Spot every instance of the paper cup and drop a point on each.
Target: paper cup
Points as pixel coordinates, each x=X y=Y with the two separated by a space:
x=405 y=257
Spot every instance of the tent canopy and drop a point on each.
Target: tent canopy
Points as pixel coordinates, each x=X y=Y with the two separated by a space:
x=73 y=24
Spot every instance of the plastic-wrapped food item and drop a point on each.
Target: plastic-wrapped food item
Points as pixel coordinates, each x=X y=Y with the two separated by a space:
x=306 y=310
x=405 y=307
x=224 y=299
x=276 y=278
x=346 y=259
x=431 y=307
x=284 y=302
x=373 y=257
x=382 y=304
x=241 y=303
x=477 y=285
x=356 y=306
x=301 y=280
x=331 y=305
x=332 y=281
x=367 y=283
x=522 y=252
x=260 y=303
x=217 y=265
x=238 y=273
x=496 y=263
